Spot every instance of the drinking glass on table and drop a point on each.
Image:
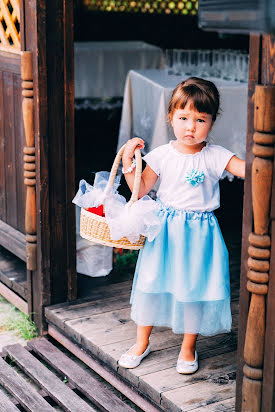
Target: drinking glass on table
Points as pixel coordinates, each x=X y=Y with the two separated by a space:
x=204 y=57
x=243 y=67
x=168 y=65
x=184 y=57
x=177 y=68
x=193 y=64
x=231 y=71
x=224 y=64
x=216 y=63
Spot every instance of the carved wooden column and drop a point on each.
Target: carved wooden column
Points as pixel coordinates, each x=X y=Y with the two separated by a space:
x=259 y=246
x=29 y=158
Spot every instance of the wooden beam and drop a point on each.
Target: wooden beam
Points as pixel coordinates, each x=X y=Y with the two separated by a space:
x=69 y=146
x=13 y=240
x=13 y=298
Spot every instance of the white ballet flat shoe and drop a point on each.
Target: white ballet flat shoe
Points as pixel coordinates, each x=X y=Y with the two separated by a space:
x=187 y=367
x=132 y=361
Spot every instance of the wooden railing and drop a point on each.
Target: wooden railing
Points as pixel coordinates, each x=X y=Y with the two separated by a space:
x=9 y=25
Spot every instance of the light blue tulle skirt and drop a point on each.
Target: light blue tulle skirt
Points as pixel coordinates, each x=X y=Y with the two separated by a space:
x=182 y=276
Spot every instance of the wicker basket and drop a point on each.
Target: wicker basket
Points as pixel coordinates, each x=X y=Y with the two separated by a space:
x=95 y=228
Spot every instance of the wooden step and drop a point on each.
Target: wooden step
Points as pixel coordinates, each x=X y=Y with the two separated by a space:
x=45 y=377
x=6 y=405
x=84 y=382
x=22 y=390
x=51 y=384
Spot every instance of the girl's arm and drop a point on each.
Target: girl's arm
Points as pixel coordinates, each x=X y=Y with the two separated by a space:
x=236 y=166
x=148 y=177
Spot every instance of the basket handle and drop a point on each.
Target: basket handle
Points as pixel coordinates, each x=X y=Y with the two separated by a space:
x=134 y=196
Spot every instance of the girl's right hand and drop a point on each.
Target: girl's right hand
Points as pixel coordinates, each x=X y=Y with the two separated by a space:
x=131 y=146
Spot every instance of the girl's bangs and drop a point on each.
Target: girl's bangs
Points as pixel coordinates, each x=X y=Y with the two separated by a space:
x=198 y=101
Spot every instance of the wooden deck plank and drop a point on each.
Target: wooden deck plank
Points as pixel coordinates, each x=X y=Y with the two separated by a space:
x=21 y=390
x=104 y=328
x=56 y=389
x=13 y=272
x=197 y=396
x=166 y=357
x=100 y=292
x=160 y=339
x=6 y=404
x=100 y=321
x=90 y=308
x=82 y=311
x=83 y=381
x=221 y=367
x=228 y=405
x=15 y=281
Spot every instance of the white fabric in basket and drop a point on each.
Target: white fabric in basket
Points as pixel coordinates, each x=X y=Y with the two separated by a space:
x=134 y=220
x=123 y=219
x=94 y=196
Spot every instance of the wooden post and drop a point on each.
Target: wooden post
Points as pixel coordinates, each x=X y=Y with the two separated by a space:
x=29 y=158
x=259 y=248
x=254 y=79
x=48 y=35
x=268 y=389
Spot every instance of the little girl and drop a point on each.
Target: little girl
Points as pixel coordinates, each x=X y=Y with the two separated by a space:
x=182 y=276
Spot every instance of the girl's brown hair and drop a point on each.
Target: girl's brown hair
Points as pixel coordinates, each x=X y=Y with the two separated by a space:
x=203 y=94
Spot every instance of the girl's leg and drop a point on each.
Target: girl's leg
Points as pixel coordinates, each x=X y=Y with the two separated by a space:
x=143 y=334
x=188 y=347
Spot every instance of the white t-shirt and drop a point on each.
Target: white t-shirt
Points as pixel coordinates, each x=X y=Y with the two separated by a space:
x=179 y=187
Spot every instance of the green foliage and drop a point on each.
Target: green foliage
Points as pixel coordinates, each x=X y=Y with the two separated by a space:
x=128 y=258
x=17 y=321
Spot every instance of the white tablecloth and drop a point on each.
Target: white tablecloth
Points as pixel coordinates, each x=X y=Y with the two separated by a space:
x=146 y=97
x=101 y=67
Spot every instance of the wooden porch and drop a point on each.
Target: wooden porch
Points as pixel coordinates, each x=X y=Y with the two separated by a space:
x=100 y=324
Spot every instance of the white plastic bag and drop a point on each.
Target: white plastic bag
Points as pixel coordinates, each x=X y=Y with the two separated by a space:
x=92 y=259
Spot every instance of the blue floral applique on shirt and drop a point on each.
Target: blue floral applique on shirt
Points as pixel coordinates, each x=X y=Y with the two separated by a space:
x=194 y=177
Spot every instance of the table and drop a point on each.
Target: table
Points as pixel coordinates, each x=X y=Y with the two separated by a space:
x=101 y=67
x=146 y=97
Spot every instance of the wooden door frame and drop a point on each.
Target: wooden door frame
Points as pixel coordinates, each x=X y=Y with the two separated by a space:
x=12 y=197
x=48 y=34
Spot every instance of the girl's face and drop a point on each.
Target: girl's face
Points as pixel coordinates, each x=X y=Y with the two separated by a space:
x=190 y=126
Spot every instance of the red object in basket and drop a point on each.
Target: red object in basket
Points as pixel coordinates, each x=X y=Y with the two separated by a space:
x=97 y=210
